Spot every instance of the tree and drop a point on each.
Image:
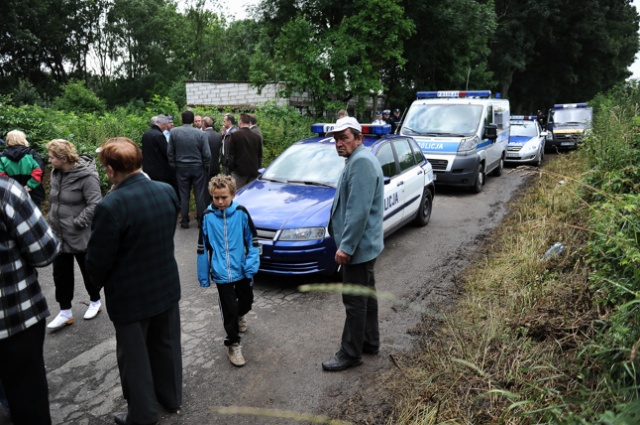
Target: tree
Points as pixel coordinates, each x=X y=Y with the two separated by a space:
x=449 y=49
x=587 y=49
x=333 y=50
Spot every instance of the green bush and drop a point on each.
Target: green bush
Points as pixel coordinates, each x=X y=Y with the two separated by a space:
x=76 y=97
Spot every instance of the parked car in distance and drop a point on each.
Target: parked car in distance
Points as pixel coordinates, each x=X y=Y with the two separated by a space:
x=290 y=202
x=526 y=141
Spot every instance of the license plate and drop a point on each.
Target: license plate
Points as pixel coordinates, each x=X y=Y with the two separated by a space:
x=513 y=155
x=567 y=144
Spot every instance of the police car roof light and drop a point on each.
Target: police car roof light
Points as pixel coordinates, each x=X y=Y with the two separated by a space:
x=570 y=105
x=372 y=129
x=452 y=94
x=376 y=129
x=524 y=117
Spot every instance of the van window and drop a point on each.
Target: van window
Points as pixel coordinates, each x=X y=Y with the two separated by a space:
x=488 y=118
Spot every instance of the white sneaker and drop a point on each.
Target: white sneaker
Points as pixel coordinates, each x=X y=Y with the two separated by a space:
x=62 y=319
x=93 y=310
x=242 y=323
x=235 y=355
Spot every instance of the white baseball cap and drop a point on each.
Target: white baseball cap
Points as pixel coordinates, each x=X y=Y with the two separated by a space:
x=343 y=124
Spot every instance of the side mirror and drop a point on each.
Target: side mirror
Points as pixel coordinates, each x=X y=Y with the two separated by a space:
x=544 y=133
x=490 y=132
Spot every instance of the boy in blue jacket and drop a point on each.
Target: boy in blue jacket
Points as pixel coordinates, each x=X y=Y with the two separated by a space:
x=228 y=253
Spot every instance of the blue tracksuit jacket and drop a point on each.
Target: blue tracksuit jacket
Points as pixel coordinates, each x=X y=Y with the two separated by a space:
x=228 y=249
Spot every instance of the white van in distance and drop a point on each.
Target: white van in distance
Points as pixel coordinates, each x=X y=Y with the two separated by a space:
x=463 y=134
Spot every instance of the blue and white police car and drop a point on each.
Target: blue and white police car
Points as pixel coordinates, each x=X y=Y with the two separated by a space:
x=290 y=202
x=463 y=134
x=526 y=141
x=567 y=125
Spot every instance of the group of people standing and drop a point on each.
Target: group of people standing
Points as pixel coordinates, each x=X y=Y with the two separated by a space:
x=195 y=152
x=124 y=243
x=385 y=117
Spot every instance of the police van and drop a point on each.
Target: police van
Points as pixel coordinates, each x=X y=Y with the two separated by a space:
x=463 y=134
x=567 y=125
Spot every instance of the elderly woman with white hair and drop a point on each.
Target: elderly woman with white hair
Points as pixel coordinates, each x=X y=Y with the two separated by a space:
x=23 y=164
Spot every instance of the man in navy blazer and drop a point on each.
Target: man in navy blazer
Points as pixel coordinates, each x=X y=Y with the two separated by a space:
x=131 y=255
x=356 y=227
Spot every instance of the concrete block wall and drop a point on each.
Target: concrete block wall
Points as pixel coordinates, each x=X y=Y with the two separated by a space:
x=213 y=93
x=241 y=95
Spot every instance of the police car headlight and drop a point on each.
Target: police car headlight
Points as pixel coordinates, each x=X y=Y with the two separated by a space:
x=302 y=234
x=549 y=136
x=529 y=148
x=468 y=144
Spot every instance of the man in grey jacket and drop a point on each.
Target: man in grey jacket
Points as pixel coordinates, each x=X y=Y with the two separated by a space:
x=356 y=227
x=189 y=155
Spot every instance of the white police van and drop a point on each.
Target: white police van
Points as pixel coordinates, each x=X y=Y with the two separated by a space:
x=463 y=134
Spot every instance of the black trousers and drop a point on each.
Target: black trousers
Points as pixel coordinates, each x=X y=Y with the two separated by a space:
x=235 y=300
x=361 y=324
x=23 y=376
x=150 y=363
x=63 y=278
x=188 y=177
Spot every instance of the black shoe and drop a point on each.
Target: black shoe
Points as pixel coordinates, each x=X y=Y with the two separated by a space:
x=184 y=225
x=171 y=409
x=121 y=419
x=367 y=349
x=340 y=362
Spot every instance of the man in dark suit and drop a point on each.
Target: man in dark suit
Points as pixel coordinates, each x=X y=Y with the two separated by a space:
x=131 y=256
x=154 y=153
x=245 y=152
x=215 y=145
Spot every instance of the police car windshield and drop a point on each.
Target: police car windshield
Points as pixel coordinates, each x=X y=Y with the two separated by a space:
x=307 y=163
x=528 y=130
x=443 y=120
x=577 y=115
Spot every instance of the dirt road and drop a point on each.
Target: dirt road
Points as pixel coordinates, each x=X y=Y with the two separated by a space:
x=289 y=335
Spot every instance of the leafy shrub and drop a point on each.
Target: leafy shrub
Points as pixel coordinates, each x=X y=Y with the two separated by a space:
x=76 y=97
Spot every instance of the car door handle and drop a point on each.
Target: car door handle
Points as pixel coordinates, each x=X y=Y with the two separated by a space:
x=399 y=184
x=420 y=171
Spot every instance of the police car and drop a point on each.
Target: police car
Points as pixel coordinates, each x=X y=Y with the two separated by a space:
x=290 y=202
x=526 y=140
x=567 y=125
x=463 y=134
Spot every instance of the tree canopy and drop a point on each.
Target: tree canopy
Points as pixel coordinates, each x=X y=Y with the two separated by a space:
x=533 y=52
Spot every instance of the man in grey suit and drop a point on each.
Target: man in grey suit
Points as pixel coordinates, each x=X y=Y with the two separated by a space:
x=356 y=227
x=189 y=155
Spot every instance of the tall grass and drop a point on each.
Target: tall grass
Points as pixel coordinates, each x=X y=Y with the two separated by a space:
x=546 y=341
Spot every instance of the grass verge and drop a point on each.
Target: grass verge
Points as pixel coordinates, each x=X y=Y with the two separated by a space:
x=509 y=352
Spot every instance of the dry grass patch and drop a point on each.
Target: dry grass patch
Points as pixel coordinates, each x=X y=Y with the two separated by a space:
x=508 y=353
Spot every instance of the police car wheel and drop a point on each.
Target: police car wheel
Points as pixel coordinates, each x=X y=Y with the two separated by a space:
x=424 y=210
x=498 y=170
x=477 y=185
